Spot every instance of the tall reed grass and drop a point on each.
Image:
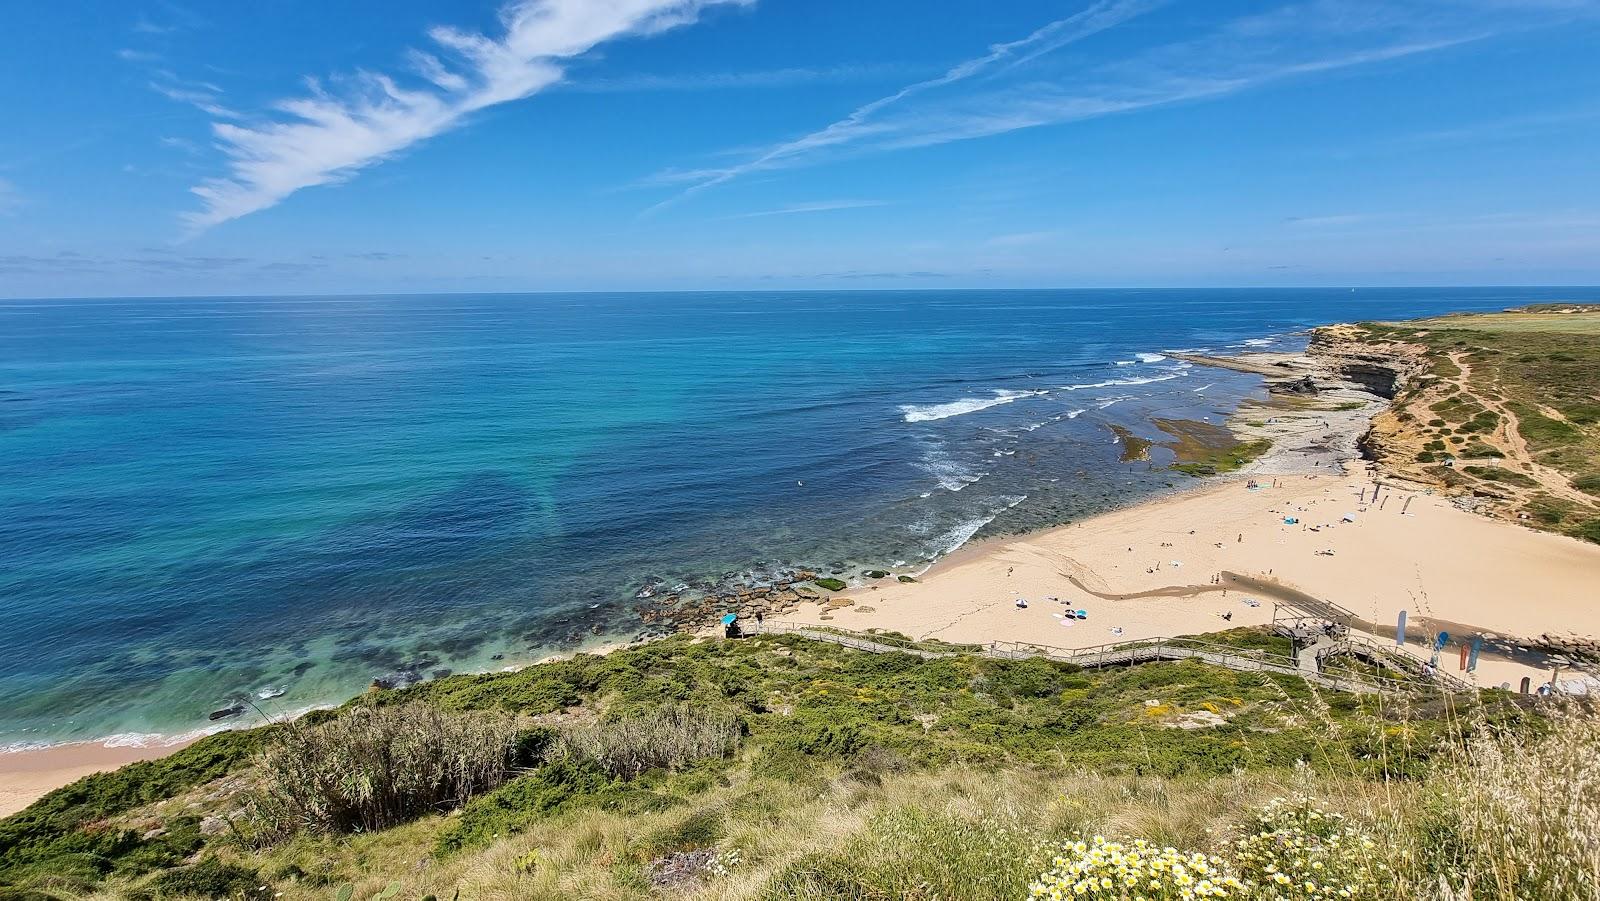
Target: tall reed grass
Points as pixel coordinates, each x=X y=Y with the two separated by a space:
x=374 y=767
x=667 y=737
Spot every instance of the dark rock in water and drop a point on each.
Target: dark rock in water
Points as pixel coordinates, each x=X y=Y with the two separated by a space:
x=222 y=713
x=1303 y=385
x=440 y=673
x=498 y=657
x=401 y=679
x=303 y=667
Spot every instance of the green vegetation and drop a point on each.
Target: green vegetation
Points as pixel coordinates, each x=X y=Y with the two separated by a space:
x=793 y=768
x=1229 y=460
x=1543 y=365
x=1539 y=429
x=830 y=583
x=630 y=744
x=1202 y=449
x=70 y=836
x=1134 y=448
x=376 y=767
x=1477 y=449
x=1507 y=476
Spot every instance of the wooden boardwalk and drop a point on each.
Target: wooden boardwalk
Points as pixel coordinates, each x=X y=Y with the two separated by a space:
x=1307 y=665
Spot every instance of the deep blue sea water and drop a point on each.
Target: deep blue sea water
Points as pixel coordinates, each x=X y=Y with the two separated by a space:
x=202 y=497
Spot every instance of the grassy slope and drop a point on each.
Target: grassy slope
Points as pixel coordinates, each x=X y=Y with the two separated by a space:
x=826 y=726
x=1544 y=367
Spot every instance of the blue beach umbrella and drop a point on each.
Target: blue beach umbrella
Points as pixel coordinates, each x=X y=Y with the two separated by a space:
x=727 y=619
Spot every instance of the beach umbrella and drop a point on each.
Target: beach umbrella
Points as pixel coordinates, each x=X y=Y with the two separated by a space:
x=1083 y=614
x=728 y=618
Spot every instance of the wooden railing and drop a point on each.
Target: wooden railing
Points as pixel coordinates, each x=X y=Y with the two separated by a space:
x=1147 y=650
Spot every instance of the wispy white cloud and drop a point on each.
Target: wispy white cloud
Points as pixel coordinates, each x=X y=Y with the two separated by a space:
x=1028 y=84
x=860 y=124
x=327 y=137
x=128 y=54
x=817 y=206
x=145 y=26
x=1335 y=219
x=10 y=199
x=203 y=96
x=711 y=81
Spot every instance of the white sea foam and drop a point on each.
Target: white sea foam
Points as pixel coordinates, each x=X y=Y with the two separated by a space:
x=1075 y=414
x=951 y=475
x=1258 y=342
x=1151 y=358
x=1110 y=383
x=931 y=412
x=1110 y=401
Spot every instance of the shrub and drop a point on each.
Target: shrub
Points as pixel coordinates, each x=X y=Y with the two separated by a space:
x=1296 y=848
x=64 y=832
x=1589 y=530
x=912 y=852
x=510 y=808
x=1100 y=869
x=211 y=878
x=375 y=767
x=661 y=738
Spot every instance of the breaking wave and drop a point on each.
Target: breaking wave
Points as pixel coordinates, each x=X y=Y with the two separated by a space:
x=931 y=412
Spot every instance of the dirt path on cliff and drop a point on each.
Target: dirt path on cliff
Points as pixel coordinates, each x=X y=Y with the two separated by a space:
x=1509 y=439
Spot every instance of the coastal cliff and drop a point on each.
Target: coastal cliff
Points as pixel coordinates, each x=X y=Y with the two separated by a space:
x=1501 y=410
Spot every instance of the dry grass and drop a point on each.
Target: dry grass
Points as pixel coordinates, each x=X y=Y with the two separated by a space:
x=1502 y=819
x=376 y=767
x=662 y=738
x=1523 y=820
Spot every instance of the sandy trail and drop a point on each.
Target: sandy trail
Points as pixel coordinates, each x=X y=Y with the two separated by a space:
x=1510 y=440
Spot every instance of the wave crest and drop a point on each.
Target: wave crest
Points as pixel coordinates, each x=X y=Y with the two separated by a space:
x=931 y=412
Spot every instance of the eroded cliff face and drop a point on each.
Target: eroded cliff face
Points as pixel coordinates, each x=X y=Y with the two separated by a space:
x=1387 y=369
x=1382 y=368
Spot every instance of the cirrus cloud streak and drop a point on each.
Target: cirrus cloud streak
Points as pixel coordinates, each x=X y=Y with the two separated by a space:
x=326 y=137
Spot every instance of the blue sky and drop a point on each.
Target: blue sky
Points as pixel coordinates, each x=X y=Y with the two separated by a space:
x=420 y=145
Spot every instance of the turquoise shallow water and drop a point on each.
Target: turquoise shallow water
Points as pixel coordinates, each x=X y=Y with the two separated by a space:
x=203 y=497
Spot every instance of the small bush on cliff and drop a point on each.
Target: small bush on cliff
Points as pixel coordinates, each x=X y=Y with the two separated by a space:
x=375 y=767
x=665 y=738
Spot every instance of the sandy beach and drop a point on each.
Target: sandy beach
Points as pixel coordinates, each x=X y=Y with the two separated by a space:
x=1165 y=569
x=27 y=775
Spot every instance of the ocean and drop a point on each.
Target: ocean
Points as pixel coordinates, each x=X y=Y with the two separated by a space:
x=204 y=497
